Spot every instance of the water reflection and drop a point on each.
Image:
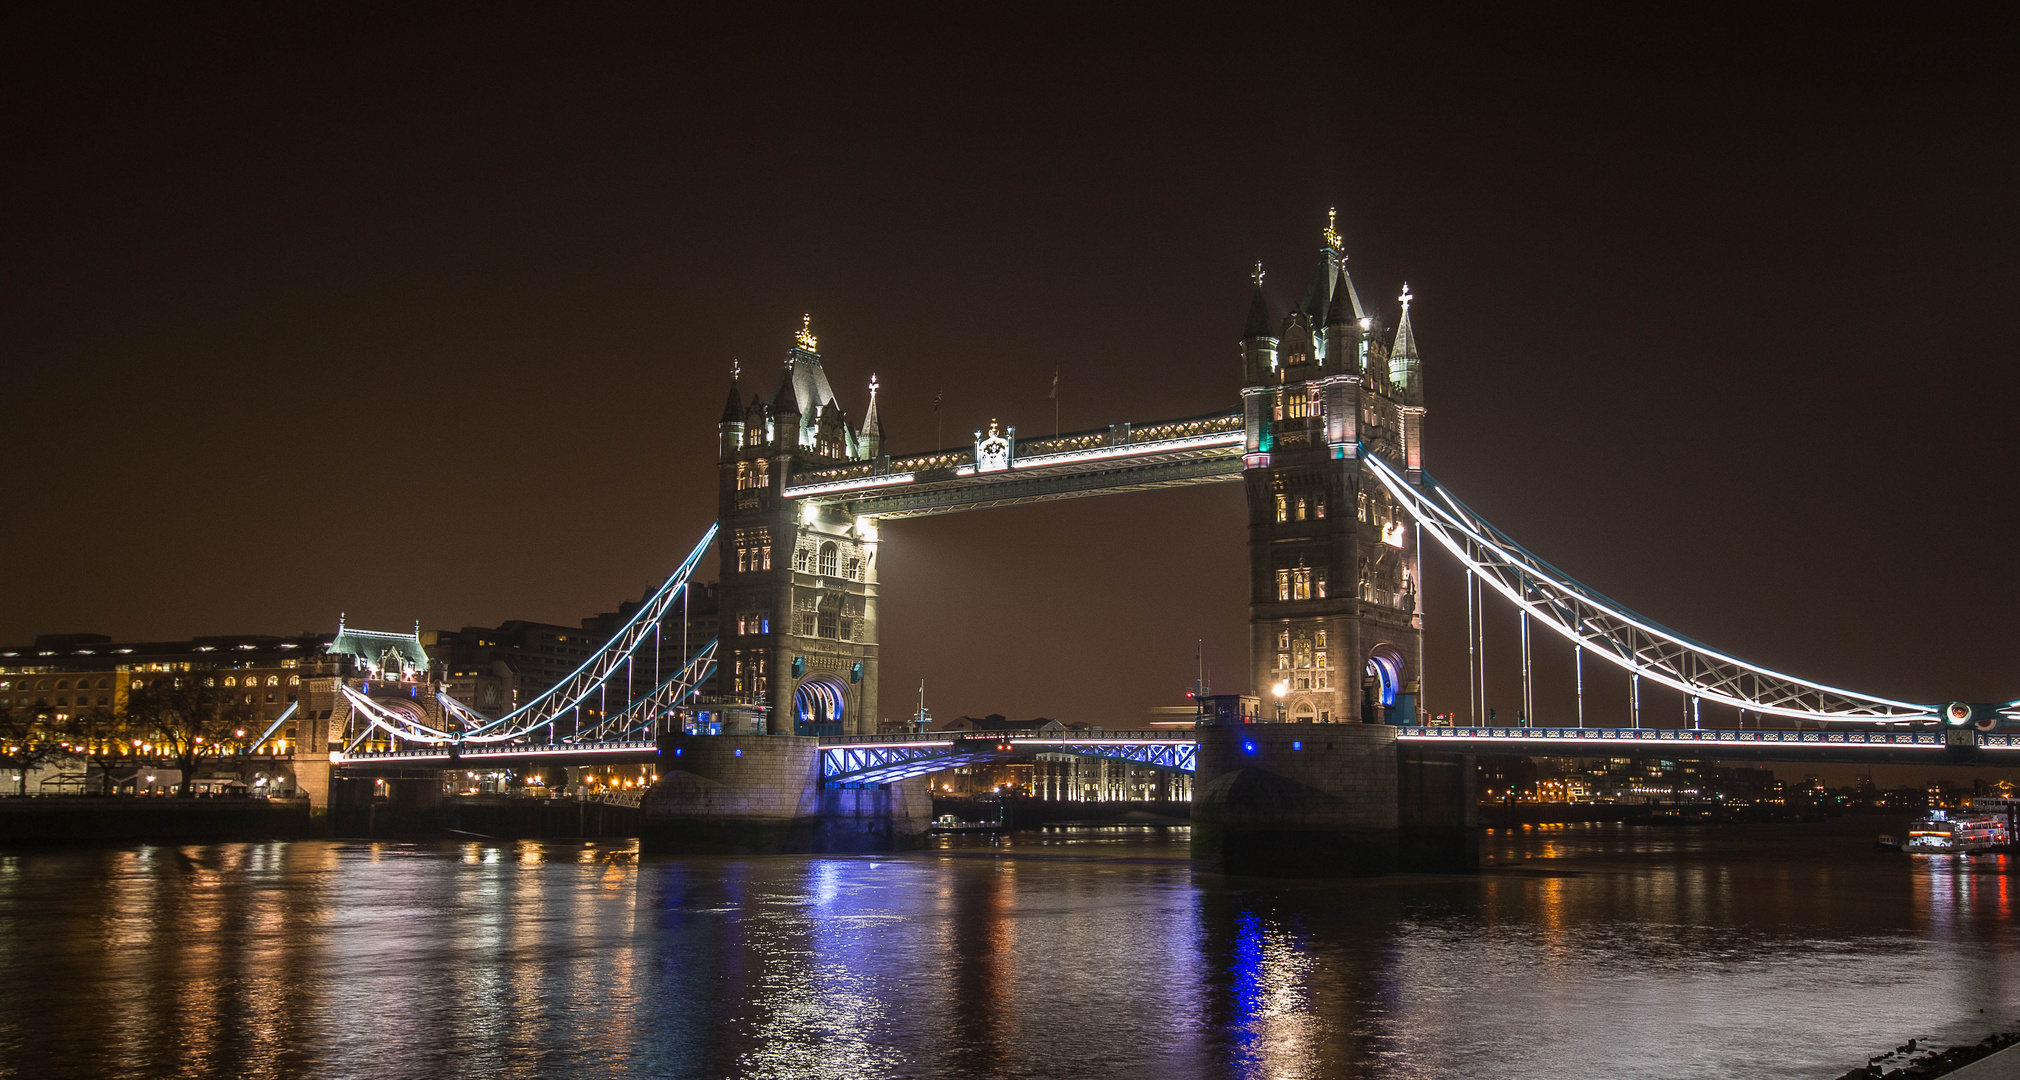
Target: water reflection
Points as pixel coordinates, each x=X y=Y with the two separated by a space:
x=1589 y=951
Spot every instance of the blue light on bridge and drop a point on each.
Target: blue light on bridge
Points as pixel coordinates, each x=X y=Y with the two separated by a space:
x=1248 y=746
x=739 y=751
x=1297 y=744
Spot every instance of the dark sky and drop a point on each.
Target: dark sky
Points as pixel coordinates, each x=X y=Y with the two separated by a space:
x=427 y=312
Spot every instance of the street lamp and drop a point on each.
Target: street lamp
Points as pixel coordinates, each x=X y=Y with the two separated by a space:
x=1280 y=689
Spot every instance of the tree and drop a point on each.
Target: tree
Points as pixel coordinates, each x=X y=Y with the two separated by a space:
x=26 y=741
x=190 y=717
x=102 y=737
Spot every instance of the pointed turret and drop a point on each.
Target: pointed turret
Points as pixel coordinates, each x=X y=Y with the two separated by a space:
x=1319 y=294
x=730 y=428
x=1258 y=317
x=872 y=436
x=1405 y=367
x=1343 y=331
x=1258 y=341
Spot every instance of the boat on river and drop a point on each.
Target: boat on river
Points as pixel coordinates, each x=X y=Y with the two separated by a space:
x=1960 y=832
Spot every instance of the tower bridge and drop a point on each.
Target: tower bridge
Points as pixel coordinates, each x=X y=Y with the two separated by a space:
x=1329 y=445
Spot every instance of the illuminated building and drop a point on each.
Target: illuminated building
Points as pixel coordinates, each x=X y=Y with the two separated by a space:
x=1334 y=611
x=798 y=604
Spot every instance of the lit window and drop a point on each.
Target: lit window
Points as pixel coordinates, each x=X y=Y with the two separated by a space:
x=766 y=550
x=1283 y=661
x=1301 y=584
x=1320 y=506
x=1319 y=584
x=1283 y=509
x=829 y=556
x=294 y=680
x=1301 y=509
x=229 y=681
x=1284 y=639
x=1283 y=584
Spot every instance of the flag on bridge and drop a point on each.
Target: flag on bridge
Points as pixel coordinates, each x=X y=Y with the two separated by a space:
x=1055 y=384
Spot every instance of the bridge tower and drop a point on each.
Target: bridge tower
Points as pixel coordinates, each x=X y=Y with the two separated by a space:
x=1335 y=615
x=799 y=581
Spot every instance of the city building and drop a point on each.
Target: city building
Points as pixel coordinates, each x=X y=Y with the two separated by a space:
x=1334 y=612
x=799 y=583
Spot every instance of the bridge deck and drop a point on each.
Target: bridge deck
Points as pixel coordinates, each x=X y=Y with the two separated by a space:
x=1126 y=457
x=867 y=759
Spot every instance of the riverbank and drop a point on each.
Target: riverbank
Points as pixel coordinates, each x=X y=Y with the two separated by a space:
x=1906 y=1062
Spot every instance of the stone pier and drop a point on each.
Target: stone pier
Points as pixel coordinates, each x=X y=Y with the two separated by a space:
x=1329 y=800
x=762 y=794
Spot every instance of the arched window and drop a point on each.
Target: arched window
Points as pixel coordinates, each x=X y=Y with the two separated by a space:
x=830 y=553
x=105 y=684
x=273 y=680
x=294 y=680
x=63 y=684
x=230 y=681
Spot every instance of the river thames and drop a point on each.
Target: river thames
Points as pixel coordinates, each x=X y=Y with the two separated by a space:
x=1579 y=951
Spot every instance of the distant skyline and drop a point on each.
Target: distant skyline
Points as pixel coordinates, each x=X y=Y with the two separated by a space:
x=428 y=313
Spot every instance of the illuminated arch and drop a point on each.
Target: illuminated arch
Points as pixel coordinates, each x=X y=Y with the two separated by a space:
x=820 y=704
x=1386 y=665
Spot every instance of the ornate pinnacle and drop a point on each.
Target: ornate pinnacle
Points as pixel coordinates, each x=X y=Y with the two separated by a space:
x=1257 y=277
x=873 y=384
x=1406 y=297
x=806 y=337
x=735 y=370
x=1332 y=235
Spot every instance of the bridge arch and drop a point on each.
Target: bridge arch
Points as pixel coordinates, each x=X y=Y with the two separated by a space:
x=820 y=704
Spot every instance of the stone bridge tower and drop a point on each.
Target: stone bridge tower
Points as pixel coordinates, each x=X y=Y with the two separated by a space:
x=799 y=583
x=1335 y=613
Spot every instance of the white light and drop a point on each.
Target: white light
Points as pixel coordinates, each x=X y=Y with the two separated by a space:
x=1365 y=323
x=1281 y=689
x=866 y=527
x=810 y=513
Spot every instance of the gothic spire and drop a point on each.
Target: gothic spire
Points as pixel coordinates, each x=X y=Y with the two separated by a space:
x=1405 y=347
x=872 y=425
x=732 y=413
x=1258 y=310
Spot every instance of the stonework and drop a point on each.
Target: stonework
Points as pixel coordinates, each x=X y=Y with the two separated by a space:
x=798 y=603
x=763 y=795
x=1335 y=617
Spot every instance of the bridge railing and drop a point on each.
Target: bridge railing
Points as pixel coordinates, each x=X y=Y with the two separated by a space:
x=1617 y=736
x=1107 y=735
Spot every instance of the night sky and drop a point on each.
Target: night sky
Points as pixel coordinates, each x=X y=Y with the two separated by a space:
x=428 y=313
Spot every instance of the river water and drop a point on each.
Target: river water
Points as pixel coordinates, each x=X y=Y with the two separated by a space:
x=1599 y=951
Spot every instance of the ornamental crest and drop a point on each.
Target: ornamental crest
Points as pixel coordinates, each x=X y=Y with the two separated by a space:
x=992 y=451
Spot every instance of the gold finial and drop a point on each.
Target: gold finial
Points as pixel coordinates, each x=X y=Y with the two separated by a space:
x=1406 y=298
x=873 y=386
x=1332 y=234
x=735 y=370
x=1257 y=277
x=806 y=335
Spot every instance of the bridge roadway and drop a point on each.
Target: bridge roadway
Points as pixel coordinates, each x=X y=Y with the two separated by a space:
x=869 y=760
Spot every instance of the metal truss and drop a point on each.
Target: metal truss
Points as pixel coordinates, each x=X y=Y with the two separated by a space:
x=1199 y=467
x=888 y=760
x=1171 y=755
x=640 y=714
x=1571 y=741
x=1608 y=629
x=1125 y=457
x=591 y=679
x=864 y=766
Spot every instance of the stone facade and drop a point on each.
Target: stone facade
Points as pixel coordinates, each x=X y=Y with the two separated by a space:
x=762 y=795
x=1335 y=616
x=798 y=609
